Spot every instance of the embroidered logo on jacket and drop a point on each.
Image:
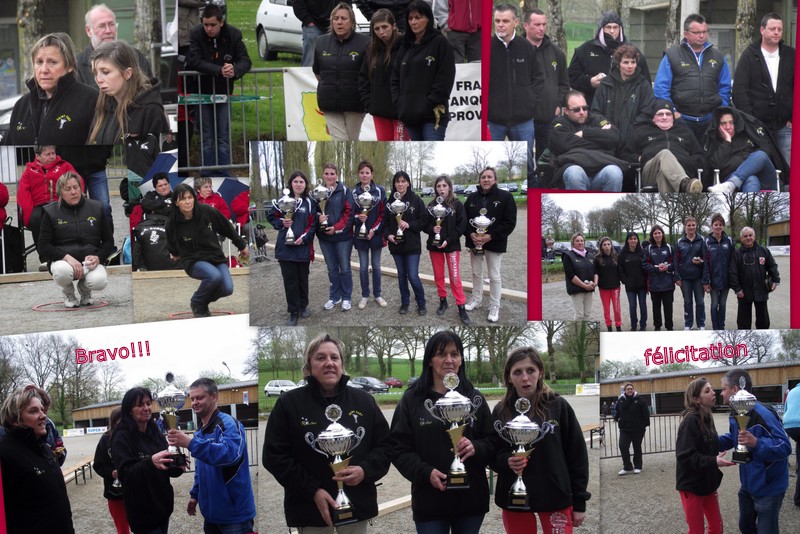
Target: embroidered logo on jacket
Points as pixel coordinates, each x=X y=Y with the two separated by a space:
x=62 y=120
x=354 y=55
x=430 y=60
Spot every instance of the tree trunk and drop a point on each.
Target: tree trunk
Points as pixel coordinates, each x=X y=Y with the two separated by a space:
x=147 y=29
x=614 y=6
x=30 y=20
x=745 y=25
x=556 y=23
x=672 y=34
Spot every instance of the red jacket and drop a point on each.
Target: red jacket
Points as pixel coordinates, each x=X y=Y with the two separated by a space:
x=37 y=186
x=465 y=15
x=241 y=207
x=3 y=204
x=215 y=200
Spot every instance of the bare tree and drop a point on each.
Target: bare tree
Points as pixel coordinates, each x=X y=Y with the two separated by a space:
x=30 y=21
x=147 y=27
x=552 y=217
x=581 y=342
x=514 y=156
x=791 y=345
x=111 y=379
x=672 y=35
x=551 y=330
x=576 y=221
x=556 y=24
x=745 y=25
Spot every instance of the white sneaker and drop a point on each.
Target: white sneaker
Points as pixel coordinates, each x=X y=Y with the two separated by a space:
x=71 y=301
x=724 y=187
x=346 y=305
x=85 y=294
x=494 y=314
x=687 y=327
x=623 y=472
x=637 y=471
x=702 y=328
x=331 y=304
x=362 y=303
x=381 y=302
x=472 y=304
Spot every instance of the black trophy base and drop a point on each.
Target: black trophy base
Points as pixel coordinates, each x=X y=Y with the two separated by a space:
x=399 y=239
x=363 y=237
x=741 y=457
x=518 y=501
x=457 y=481
x=343 y=516
x=437 y=242
x=478 y=251
x=323 y=226
x=178 y=460
x=289 y=241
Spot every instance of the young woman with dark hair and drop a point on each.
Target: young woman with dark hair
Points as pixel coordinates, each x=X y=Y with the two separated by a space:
x=633 y=276
x=104 y=466
x=658 y=264
x=606 y=277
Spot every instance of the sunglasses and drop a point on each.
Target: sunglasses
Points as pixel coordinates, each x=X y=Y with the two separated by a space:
x=578 y=109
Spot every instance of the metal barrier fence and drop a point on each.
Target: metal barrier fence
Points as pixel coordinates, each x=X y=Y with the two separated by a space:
x=246 y=117
x=14 y=158
x=659 y=437
x=253 y=451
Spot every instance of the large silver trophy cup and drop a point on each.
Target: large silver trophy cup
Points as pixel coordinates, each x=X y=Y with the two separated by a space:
x=452 y=409
x=742 y=402
x=366 y=202
x=171 y=399
x=521 y=432
x=438 y=211
x=398 y=207
x=321 y=194
x=287 y=205
x=481 y=224
x=337 y=441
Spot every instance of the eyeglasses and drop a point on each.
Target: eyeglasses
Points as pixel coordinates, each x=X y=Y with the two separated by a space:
x=704 y=32
x=664 y=114
x=107 y=26
x=578 y=109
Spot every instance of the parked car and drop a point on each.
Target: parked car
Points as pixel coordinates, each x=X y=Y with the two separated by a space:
x=370 y=384
x=301 y=383
x=393 y=382
x=458 y=189
x=6 y=107
x=513 y=187
x=412 y=380
x=353 y=385
x=471 y=189
x=279 y=387
x=524 y=187
x=427 y=192
x=504 y=187
x=278 y=30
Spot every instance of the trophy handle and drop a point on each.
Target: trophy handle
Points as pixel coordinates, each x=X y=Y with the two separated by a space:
x=545 y=428
x=311 y=440
x=275 y=204
x=477 y=400
x=432 y=409
x=359 y=436
x=500 y=429
x=493 y=219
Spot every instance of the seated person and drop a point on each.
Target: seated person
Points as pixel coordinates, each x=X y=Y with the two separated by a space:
x=743 y=150
x=583 y=143
x=668 y=151
x=206 y=195
x=157 y=203
x=149 y=236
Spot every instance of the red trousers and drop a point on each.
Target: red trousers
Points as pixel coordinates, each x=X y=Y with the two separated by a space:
x=117 y=509
x=454 y=270
x=389 y=129
x=697 y=506
x=610 y=297
x=525 y=522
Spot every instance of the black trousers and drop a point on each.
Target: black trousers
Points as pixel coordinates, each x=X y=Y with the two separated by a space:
x=664 y=298
x=744 y=315
x=626 y=438
x=295 y=284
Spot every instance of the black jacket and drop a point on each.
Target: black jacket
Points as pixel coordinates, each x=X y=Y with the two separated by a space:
x=423 y=77
x=64 y=119
x=375 y=85
x=516 y=83
x=499 y=206
x=148 y=496
x=718 y=259
x=556 y=80
x=580 y=266
x=422 y=445
x=317 y=12
x=592 y=152
x=417 y=218
x=607 y=272
x=748 y=272
x=621 y=102
x=145 y=116
x=654 y=256
x=558 y=468
x=647 y=140
x=207 y=55
x=300 y=414
x=36 y=499
x=196 y=239
x=694 y=90
x=685 y=251
x=752 y=86
x=155 y=206
x=304 y=225
x=79 y=231
x=104 y=467
x=83 y=71
x=631 y=272
x=337 y=64
x=696 y=468
x=632 y=414
x=453 y=227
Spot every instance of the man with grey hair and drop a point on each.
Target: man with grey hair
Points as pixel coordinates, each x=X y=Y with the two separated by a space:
x=222 y=483
x=101 y=27
x=752 y=275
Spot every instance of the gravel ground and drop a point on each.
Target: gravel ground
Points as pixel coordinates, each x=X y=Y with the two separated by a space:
x=556 y=305
x=267 y=302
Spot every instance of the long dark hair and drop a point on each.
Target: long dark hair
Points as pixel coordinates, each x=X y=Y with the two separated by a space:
x=423 y=8
x=543 y=391
x=179 y=191
x=437 y=343
x=294 y=175
x=663 y=235
x=450 y=199
x=376 y=46
x=600 y=256
x=132 y=397
x=403 y=175
x=693 y=391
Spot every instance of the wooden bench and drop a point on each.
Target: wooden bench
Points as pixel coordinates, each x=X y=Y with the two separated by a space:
x=81 y=471
x=595 y=428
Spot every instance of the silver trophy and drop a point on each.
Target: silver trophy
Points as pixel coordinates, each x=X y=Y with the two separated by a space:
x=337 y=441
x=521 y=432
x=481 y=223
x=287 y=205
x=742 y=402
x=438 y=211
x=454 y=408
x=321 y=194
x=398 y=207
x=171 y=399
x=366 y=202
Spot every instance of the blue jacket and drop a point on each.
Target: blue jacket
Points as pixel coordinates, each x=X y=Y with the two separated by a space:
x=685 y=251
x=304 y=224
x=222 y=484
x=375 y=218
x=768 y=472
x=791 y=410
x=656 y=280
x=338 y=208
x=718 y=259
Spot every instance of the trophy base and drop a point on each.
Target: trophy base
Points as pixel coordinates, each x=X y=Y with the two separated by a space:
x=741 y=457
x=457 y=481
x=399 y=239
x=518 y=501
x=178 y=460
x=323 y=226
x=343 y=516
x=363 y=237
x=478 y=251
x=289 y=241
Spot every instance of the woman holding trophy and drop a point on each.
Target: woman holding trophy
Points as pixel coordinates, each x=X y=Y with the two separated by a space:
x=440 y=500
x=405 y=221
x=104 y=466
x=143 y=464
x=550 y=479
x=320 y=495
x=446 y=224
x=369 y=211
x=295 y=216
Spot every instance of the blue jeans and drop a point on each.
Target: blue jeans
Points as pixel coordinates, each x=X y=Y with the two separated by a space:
x=363 y=271
x=310 y=34
x=639 y=296
x=463 y=524
x=759 y=514
x=783 y=139
x=608 y=179
x=693 y=289
x=215 y=282
x=408 y=271
x=755 y=173
x=216 y=136
x=229 y=528
x=719 y=299
x=97 y=187
x=337 y=258
x=426 y=130
x=523 y=131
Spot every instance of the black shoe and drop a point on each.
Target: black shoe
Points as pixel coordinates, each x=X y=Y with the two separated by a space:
x=462 y=312
x=403 y=309
x=657 y=329
x=292 y=319
x=619 y=329
x=422 y=310
x=633 y=328
x=200 y=310
x=609 y=329
x=305 y=313
x=442 y=306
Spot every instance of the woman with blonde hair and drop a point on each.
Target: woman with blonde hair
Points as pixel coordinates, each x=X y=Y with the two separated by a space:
x=579 y=272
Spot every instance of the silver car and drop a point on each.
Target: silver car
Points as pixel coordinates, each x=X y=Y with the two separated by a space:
x=278 y=387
